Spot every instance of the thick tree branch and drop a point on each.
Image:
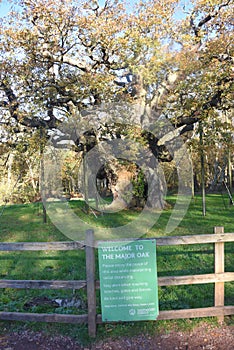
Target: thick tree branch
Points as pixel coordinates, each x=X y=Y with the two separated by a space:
x=4 y=104
x=21 y=117
x=206 y=19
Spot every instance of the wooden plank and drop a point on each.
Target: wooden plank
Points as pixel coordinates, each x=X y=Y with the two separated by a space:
x=219 y=268
x=35 y=246
x=91 y=282
x=194 y=313
x=195 y=239
x=183 y=240
x=193 y=279
x=160 y=241
x=42 y=284
x=162 y=281
x=190 y=313
x=196 y=279
x=76 y=319
x=34 y=317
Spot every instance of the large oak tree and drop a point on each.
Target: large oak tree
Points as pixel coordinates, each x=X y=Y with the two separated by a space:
x=60 y=59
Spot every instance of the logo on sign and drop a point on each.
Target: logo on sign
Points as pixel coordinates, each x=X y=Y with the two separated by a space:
x=132 y=312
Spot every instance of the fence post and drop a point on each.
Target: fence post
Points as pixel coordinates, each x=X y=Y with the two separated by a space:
x=90 y=279
x=219 y=268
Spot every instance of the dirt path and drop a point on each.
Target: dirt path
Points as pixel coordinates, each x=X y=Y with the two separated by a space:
x=204 y=337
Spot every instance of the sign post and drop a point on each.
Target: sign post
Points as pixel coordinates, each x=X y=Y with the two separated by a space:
x=128 y=280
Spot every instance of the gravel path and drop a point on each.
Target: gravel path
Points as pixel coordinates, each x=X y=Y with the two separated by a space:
x=203 y=337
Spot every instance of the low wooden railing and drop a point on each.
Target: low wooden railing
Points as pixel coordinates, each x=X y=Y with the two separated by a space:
x=219 y=277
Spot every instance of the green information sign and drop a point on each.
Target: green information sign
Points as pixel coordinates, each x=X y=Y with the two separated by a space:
x=128 y=280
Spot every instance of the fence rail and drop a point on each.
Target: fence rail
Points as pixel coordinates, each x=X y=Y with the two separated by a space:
x=219 y=277
x=161 y=241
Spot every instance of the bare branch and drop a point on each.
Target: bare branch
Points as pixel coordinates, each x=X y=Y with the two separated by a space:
x=3 y=104
x=22 y=117
x=206 y=19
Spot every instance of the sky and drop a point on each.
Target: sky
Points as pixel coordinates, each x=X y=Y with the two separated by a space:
x=4 y=8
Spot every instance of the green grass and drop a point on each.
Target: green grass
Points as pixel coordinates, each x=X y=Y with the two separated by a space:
x=24 y=223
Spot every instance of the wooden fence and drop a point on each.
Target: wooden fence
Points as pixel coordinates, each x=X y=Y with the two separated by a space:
x=219 y=277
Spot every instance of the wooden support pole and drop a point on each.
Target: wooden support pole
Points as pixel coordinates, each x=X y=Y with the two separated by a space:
x=42 y=179
x=219 y=268
x=203 y=180
x=91 y=282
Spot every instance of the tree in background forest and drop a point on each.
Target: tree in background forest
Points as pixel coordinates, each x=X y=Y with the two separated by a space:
x=60 y=58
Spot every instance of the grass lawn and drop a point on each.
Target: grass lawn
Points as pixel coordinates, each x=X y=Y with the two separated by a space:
x=24 y=223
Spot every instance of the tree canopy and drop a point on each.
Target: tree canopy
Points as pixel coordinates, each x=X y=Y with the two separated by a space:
x=59 y=58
